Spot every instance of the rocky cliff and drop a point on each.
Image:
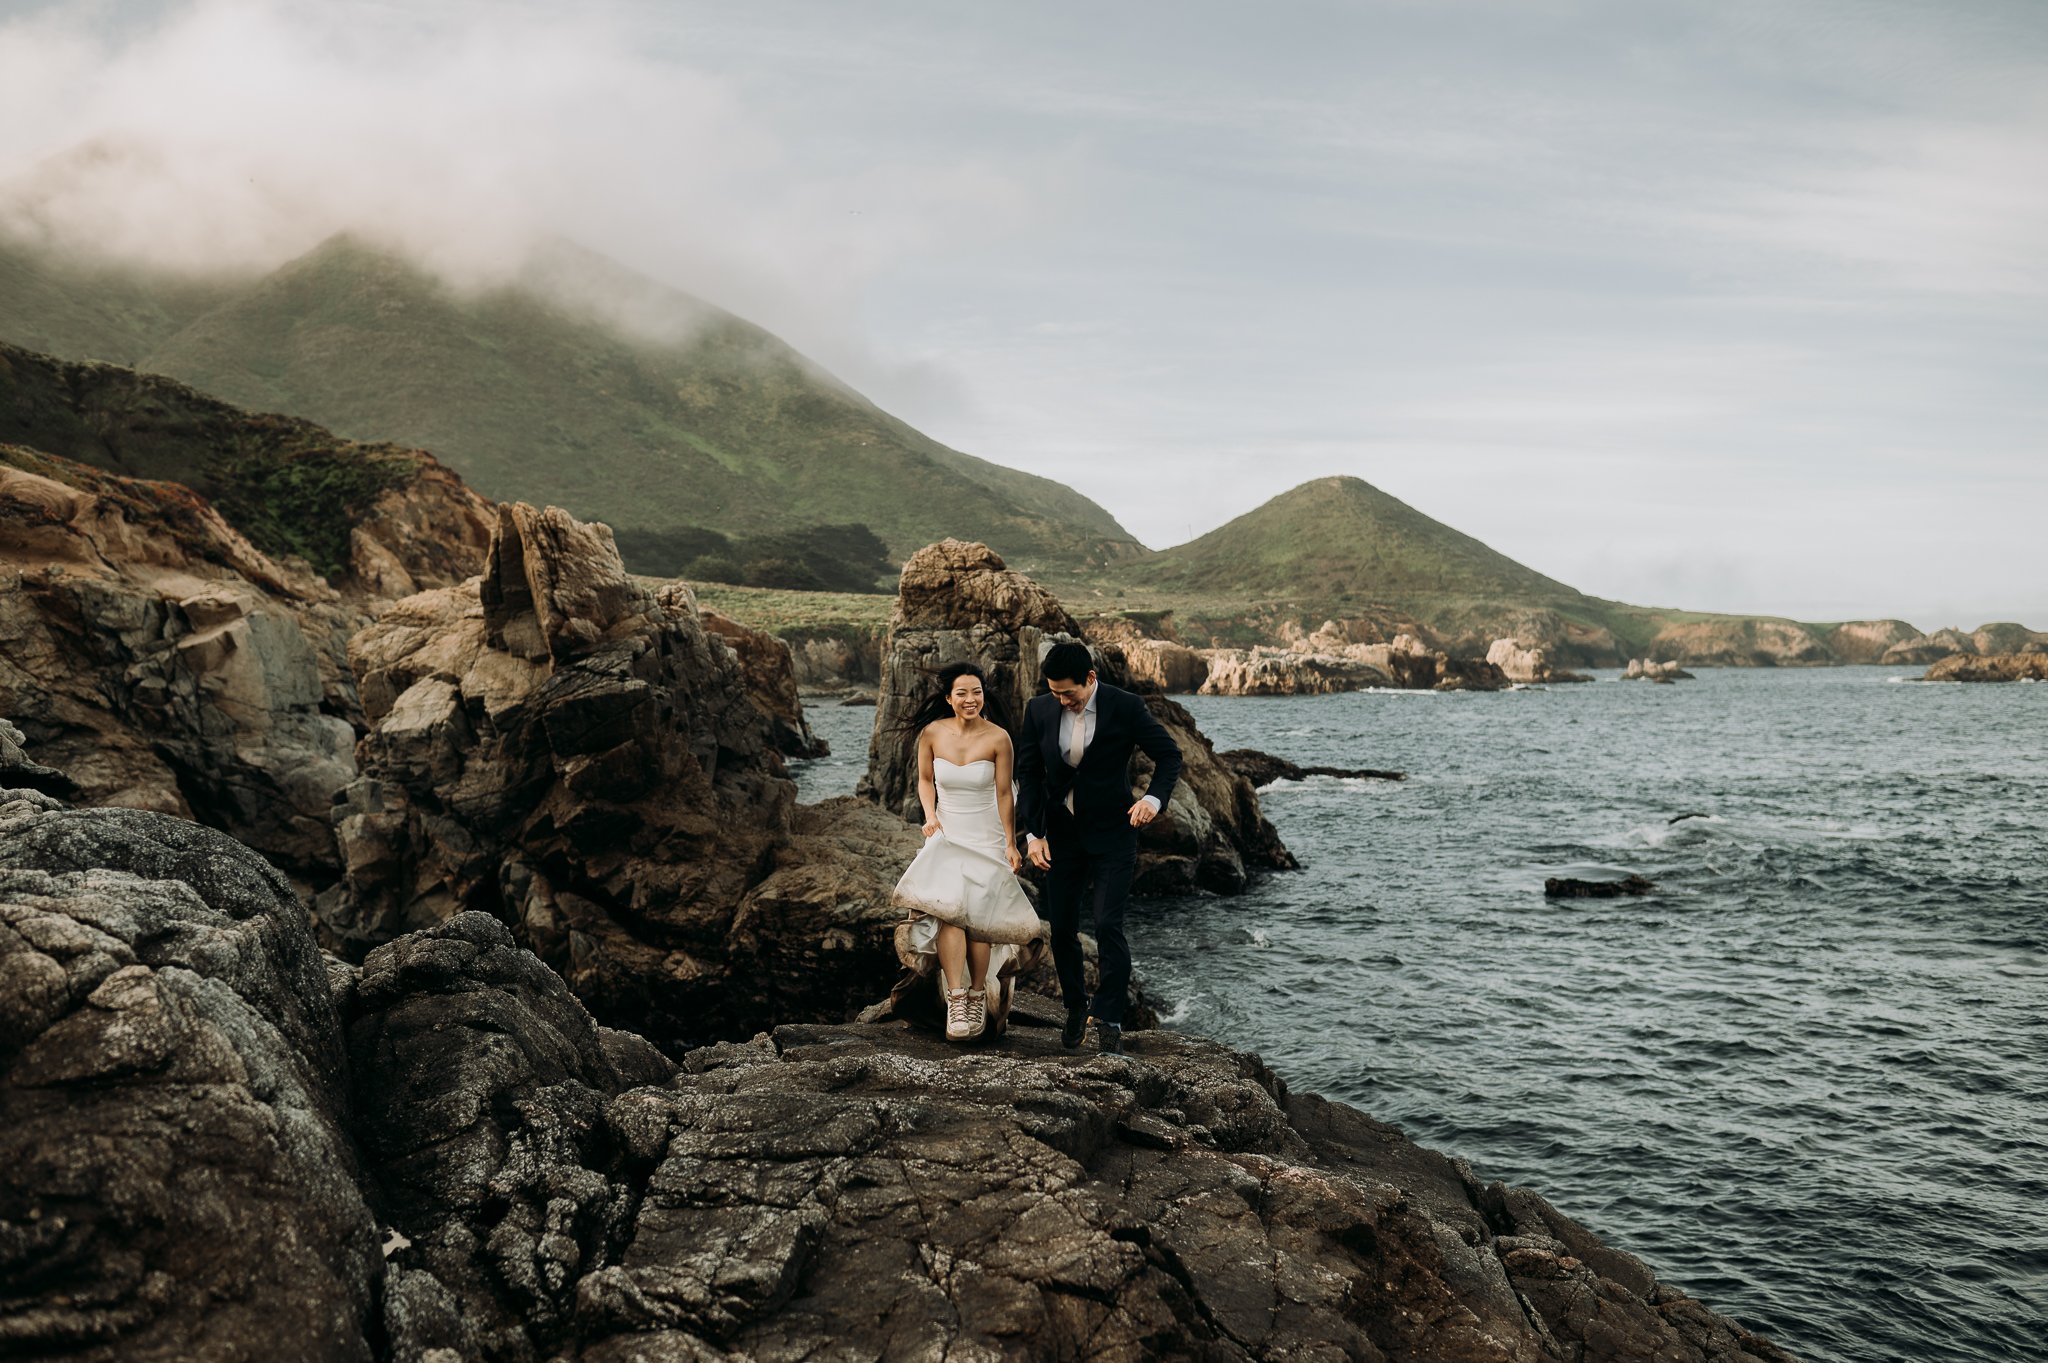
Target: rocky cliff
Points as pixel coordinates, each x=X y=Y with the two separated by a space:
x=217 y=1142
x=1345 y=656
x=960 y=602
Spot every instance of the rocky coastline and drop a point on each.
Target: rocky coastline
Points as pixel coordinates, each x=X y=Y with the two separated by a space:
x=217 y=1138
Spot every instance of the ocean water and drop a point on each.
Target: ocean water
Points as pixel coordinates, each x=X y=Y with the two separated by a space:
x=1806 y=1079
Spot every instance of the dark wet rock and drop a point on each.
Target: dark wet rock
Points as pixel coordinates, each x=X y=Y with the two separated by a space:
x=1567 y=887
x=1263 y=769
x=868 y=1191
x=868 y=701
x=960 y=602
x=488 y=1080
x=175 y=1177
x=770 y=672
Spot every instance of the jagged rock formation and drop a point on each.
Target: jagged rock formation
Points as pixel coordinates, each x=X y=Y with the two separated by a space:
x=770 y=670
x=160 y=659
x=572 y=752
x=154 y=651
x=556 y=1190
x=1998 y=667
x=558 y=745
x=18 y=772
x=176 y=1178
x=1650 y=670
x=1530 y=666
x=959 y=601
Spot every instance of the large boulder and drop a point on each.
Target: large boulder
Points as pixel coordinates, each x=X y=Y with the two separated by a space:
x=176 y=1180
x=960 y=602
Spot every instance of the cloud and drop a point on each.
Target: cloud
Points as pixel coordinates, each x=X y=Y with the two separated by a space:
x=236 y=134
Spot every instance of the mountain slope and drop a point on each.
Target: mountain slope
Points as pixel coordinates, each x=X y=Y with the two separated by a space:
x=583 y=385
x=1338 y=535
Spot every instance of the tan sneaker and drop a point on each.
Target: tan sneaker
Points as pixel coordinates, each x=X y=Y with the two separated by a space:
x=977 y=1011
x=959 y=1015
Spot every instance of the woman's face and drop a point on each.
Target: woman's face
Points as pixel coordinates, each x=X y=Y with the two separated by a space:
x=965 y=697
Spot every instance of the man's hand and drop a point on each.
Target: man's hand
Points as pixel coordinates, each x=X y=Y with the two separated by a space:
x=1041 y=854
x=1144 y=812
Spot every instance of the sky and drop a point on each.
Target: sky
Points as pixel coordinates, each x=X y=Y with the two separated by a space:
x=1724 y=305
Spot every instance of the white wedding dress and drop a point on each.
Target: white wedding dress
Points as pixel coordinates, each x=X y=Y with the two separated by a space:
x=962 y=875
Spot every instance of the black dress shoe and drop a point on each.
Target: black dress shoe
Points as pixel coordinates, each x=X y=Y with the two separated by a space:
x=1076 y=1028
x=1110 y=1037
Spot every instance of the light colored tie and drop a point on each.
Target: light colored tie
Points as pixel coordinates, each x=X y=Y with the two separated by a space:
x=1076 y=744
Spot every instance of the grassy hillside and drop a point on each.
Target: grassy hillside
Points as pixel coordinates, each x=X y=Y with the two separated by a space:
x=582 y=385
x=1343 y=535
x=288 y=485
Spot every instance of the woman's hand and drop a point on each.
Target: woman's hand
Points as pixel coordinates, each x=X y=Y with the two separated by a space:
x=1016 y=861
x=931 y=827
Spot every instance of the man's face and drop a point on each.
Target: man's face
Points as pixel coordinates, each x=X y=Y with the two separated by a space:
x=1073 y=695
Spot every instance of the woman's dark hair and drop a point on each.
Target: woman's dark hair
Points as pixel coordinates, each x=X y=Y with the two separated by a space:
x=1067 y=662
x=934 y=706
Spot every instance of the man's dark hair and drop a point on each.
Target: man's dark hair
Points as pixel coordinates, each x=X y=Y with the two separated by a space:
x=1067 y=662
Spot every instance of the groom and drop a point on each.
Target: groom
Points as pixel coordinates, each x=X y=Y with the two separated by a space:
x=1081 y=825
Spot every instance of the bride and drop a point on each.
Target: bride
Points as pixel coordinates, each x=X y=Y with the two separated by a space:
x=966 y=905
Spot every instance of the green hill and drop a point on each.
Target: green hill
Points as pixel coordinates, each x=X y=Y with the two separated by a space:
x=1343 y=535
x=580 y=384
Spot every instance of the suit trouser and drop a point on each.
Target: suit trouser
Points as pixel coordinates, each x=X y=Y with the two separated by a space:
x=1102 y=880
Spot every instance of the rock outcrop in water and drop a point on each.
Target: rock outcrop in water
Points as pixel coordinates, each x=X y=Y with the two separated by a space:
x=546 y=1188
x=1331 y=660
x=1530 y=666
x=1998 y=667
x=1263 y=769
x=960 y=602
x=1156 y=660
x=1650 y=670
